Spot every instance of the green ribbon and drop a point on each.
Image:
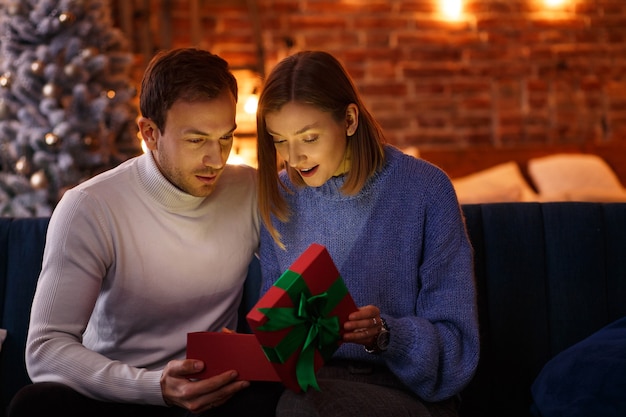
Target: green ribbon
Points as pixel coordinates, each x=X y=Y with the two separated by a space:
x=311 y=327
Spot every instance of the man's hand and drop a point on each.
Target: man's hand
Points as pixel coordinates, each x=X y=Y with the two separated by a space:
x=197 y=395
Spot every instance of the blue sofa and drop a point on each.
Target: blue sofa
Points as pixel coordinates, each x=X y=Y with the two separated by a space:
x=548 y=276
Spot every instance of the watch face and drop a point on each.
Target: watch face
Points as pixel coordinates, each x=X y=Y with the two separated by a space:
x=383 y=340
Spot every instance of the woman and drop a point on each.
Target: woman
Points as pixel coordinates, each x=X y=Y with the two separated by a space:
x=394 y=228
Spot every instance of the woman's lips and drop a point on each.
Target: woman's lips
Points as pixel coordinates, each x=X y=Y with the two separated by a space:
x=309 y=172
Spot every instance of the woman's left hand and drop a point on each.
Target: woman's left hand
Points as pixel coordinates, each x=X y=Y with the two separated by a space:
x=363 y=325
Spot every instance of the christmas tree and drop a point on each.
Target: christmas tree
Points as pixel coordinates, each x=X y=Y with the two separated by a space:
x=67 y=107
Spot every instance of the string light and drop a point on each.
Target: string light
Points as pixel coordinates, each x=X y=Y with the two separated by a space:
x=251 y=104
x=452 y=9
x=554 y=3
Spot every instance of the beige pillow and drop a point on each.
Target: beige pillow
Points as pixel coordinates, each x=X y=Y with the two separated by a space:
x=573 y=176
x=500 y=183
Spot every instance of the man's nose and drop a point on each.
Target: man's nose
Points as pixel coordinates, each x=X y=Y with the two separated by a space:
x=213 y=155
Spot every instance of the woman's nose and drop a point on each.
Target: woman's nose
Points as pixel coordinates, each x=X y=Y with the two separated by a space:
x=295 y=155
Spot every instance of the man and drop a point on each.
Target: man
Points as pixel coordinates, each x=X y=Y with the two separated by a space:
x=141 y=255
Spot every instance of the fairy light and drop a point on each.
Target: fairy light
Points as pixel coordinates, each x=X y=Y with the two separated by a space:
x=452 y=9
x=251 y=104
x=554 y=3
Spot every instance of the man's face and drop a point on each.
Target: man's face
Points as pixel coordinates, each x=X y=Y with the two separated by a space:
x=192 y=151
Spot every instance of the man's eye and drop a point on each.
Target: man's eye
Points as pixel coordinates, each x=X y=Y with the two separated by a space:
x=227 y=137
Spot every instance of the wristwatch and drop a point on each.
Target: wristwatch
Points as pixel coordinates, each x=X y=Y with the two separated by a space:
x=381 y=342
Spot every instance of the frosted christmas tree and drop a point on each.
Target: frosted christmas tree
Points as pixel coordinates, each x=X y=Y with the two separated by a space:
x=66 y=100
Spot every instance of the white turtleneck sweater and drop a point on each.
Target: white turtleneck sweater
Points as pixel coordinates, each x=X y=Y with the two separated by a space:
x=131 y=265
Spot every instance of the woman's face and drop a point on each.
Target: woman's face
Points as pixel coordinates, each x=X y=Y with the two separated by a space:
x=312 y=141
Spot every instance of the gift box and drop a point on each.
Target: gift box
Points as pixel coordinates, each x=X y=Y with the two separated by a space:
x=223 y=352
x=299 y=321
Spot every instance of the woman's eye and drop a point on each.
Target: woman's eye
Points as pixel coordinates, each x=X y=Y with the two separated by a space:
x=227 y=137
x=278 y=141
x=311 y=139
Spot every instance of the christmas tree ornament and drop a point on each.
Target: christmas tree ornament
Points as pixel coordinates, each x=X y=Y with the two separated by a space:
x=14 y=8
x=39 y=180
x=51 y=139
x=51 y=90
x=5 y=80
x=90 y=52
x=37 y=67
x=67 y=18
x=70 y=70
x=22 y=166
x=91 y=143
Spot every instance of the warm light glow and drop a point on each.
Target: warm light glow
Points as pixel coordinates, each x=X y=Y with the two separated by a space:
x=251 y=104
x=235 y=159
x=249 y=82
x=243 y=152
x=452 y=9
x=554 y=3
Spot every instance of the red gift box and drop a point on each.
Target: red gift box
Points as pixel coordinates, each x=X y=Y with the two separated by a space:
x=299 y=321
x=223 y=352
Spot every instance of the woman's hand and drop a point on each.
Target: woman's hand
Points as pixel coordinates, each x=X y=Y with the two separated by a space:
x=197 y=395
x=363 y=325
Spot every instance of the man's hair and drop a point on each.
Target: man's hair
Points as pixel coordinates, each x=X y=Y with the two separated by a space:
x=187 y=74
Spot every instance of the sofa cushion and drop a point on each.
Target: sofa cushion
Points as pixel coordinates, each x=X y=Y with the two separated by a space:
x=575 y=177
x=587 y=379
x=500 y=183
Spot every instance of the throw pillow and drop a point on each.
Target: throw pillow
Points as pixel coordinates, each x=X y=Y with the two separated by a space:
x=587 y=379
x=563 y=174
x=500 y=183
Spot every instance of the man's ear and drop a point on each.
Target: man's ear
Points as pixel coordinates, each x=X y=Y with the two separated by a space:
x=149 y=132
x=352 y=119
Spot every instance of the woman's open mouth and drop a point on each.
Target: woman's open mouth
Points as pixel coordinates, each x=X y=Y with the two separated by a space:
x=309 y=171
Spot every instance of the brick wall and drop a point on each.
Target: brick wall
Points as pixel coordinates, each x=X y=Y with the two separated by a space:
x=511 y=72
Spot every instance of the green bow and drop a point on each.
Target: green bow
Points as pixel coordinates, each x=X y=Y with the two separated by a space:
x=311 y=327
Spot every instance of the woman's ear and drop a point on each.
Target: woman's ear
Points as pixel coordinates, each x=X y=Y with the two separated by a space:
x=149 y=132
x=352 y=119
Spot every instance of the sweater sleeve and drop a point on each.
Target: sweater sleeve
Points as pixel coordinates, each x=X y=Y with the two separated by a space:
x=68 y=287
x=435 y=352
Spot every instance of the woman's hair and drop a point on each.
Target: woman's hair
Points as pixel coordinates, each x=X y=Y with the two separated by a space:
x=318 y=79
x=187 y=74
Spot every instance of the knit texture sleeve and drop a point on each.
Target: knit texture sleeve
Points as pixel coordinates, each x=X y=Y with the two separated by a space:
x=435 y=352
x=59 y=315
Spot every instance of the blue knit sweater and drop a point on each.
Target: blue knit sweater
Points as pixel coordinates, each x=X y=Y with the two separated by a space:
x=399 y=244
